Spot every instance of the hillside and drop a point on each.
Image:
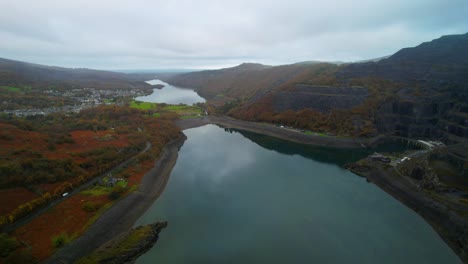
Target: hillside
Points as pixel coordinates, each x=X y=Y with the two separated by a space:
x=431 y=97
x=16 y=73
x=248 y=80
x=440 y=61
x=418 y=92
x=93 y=157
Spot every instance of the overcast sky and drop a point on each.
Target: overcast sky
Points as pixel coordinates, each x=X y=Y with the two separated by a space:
x=144 y=34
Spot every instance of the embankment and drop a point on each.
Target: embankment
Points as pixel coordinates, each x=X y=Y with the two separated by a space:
x=282 y=133
x=452 y=227
x=127 y=247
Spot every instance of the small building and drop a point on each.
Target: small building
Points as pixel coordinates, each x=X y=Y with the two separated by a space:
x=403 y=159
x=379 y=157
x=430 y=144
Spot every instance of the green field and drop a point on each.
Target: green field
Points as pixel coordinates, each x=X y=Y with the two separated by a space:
x=96 y=191
x=184 y=111
x=10 y=88
x=142 y=105
x=25 y=88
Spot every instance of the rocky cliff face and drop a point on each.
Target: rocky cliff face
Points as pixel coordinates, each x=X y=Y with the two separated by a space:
x=432 y=103
x=319 y=98
x=437 y=117
x=419 y=92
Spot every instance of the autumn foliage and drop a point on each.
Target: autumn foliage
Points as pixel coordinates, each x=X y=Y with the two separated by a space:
x=65 y=151
x=358 y=121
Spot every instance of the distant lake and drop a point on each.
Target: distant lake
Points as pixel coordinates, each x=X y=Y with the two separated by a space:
x=238 y=197
x=170 y=94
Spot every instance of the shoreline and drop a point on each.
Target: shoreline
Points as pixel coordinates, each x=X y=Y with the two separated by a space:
x=105 y=229
x=281 y=133
x=450 y=226
x=121 y=217
x=127 y=247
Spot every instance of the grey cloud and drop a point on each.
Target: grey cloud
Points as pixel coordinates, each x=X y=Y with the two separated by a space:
x=200 y=34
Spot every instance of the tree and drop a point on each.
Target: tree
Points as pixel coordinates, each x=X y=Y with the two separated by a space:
x=60 y=240
x=117 y=192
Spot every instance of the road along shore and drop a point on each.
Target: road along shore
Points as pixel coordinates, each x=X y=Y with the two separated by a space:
x=121 y=217
x=282 y=133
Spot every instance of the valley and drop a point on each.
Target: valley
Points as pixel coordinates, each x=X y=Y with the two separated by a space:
x=86 y=154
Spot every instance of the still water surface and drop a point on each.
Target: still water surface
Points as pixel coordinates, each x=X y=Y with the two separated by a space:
x=246 y=198
x=170 y=94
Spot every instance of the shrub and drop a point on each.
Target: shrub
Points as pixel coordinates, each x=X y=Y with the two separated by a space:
x=3 y=221
x=117 y=192
x=7 y=245
x=90 y=206
x=51 y=146
x=60 y=240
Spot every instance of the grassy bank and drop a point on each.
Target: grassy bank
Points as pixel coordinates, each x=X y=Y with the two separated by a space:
x=156 y=110
x=127 y=247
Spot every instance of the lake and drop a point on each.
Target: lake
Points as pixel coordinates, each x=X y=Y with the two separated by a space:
x=170 y=94
x=237 y=197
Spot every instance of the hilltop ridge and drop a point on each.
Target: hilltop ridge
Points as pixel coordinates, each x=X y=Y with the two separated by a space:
x=417 y=92
x=17 y=73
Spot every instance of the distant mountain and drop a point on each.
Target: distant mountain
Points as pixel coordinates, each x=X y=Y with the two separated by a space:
x=246 y=67
x=22 y=73
x=248 y=80
x=319 y=62
x=373 y=60
x=446 y=50
x=155 y=71
x=444 y=59
x=418 y=92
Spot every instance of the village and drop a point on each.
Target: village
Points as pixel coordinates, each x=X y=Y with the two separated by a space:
x=84 y=98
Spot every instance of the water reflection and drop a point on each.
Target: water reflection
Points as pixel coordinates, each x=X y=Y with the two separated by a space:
x=231 y=201
x=241 y=153
x=170 y=94
x=322 y=154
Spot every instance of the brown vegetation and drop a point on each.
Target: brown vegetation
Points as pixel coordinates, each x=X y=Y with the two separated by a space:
x=246 y=92
x=247 y=80
x=68 y=217
x=13 y=198
x=357 y=121
x=53 y=154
